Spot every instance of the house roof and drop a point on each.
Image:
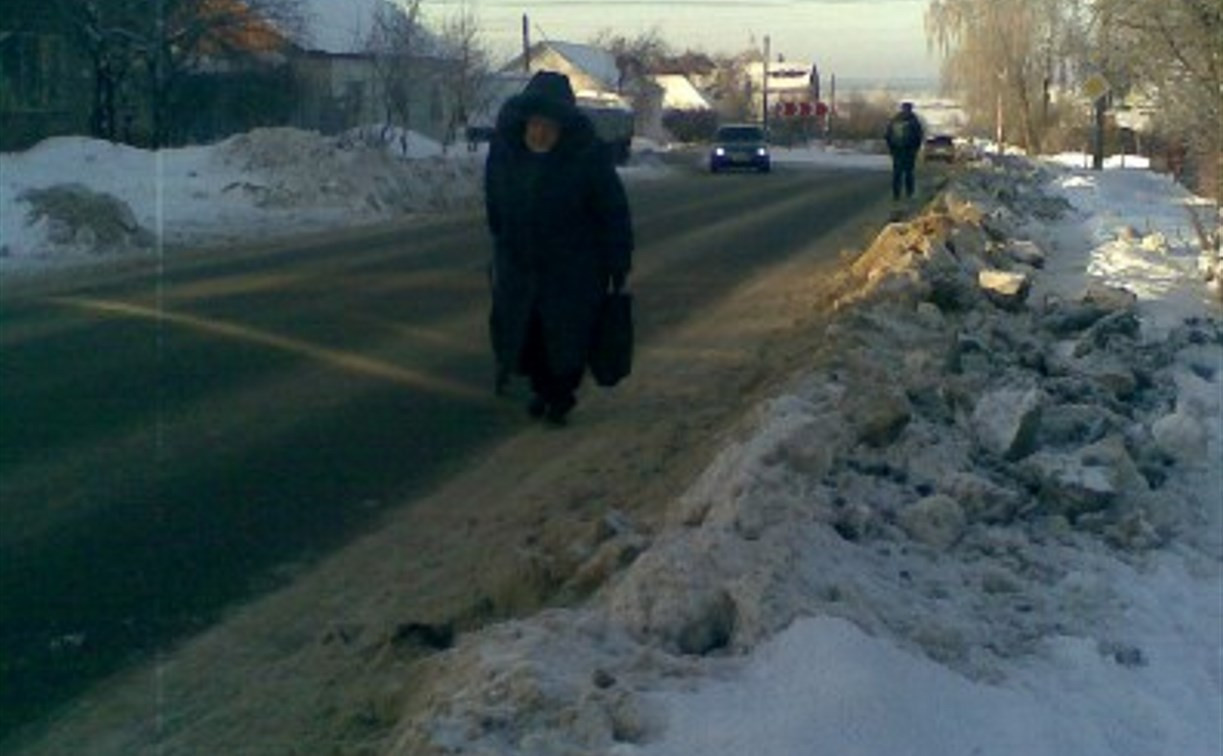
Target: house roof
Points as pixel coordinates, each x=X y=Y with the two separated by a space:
x=342 y=27
x=784 y=76
x=595 y=62
x=679 y=93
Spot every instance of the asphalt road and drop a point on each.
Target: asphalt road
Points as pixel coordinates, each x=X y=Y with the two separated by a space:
x=184 y=437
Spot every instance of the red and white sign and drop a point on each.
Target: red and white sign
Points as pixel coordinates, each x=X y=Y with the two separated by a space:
x=804 y=109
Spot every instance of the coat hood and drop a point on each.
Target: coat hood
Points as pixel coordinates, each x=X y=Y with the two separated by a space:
x=549 y=94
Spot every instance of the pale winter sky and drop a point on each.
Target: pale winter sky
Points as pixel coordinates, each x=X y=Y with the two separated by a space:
x=874 y=39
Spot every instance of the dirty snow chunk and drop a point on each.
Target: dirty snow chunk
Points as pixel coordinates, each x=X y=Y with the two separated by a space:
x=1113 y=298
x=1073 y=425
x=1095 y=478
x=1026 y=252
x=538 y=687
x=1067 y=486
x=78 y=217
x=674 y=598
x=880 y=417
x=1065 y=318
x=980 y=499
x=1005 y=422
x=1181 y=437
x=937 y=521
x=1006 y=289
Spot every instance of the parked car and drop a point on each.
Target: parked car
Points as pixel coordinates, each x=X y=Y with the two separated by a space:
x=940 y=147
x=740 y=145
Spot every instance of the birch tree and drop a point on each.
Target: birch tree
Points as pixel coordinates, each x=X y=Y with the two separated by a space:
x=1003 y=57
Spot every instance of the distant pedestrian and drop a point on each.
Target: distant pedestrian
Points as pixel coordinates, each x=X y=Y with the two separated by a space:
x=904 y=138
x=562 y=237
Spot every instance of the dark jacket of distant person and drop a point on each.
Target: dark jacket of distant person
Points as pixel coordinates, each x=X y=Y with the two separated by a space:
x=560 y=225
x=904 y=134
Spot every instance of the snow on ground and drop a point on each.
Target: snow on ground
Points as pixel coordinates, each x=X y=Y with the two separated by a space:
x=1017 y=635
x=989 y=523
x=831 y=157
x=1140 y=228
x=70 y=201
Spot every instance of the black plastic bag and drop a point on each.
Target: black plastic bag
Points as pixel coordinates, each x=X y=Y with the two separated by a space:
x=611 y=350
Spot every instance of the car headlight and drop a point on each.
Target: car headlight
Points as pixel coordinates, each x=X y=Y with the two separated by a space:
x=762 y=152
x=719 y=152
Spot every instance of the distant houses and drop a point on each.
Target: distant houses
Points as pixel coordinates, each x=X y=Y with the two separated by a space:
x=330 y=72
x=591 y=70
x=363 y=62
x=600 y=82
x=322 y=74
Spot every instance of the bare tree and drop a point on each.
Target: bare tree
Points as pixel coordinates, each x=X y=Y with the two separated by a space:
x=141 y=50
x=466 y=69
x=732 y=86
x=635 y=56
x=396 y=41
x=1002 y=56
x=1172 y=51
x=103 y=32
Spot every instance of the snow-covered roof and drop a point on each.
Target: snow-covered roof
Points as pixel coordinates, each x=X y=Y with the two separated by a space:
x=596 y=62
x=783 y=75
x=340 y=27
x=680 y=94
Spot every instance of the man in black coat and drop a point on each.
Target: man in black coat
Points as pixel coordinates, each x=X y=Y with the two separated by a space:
x=562 y=236
x=904 y=137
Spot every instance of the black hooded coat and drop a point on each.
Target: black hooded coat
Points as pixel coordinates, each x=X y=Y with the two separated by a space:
x=560 y=225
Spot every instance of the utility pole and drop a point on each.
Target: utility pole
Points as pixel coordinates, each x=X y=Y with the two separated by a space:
x=526 y=44
x=832 y=106
x=764 y=96
x=1101 y=104
x=999 y=121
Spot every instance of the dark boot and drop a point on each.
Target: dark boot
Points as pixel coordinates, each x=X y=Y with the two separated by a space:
x=501 y=381
x=537 y=407
x=558 y=409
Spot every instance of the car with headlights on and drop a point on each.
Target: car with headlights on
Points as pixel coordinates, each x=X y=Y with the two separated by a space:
x=740 y=146
x=940 y=147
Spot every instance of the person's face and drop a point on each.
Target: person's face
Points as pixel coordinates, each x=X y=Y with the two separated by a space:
x=542 y=134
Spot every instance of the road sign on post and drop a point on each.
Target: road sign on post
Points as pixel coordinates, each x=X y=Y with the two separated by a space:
x=1096 y=87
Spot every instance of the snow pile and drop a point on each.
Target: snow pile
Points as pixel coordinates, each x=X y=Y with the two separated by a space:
x=984 y=489
x=77 y=220
x=71 y=200
x=292 y=168
x=57 y=198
